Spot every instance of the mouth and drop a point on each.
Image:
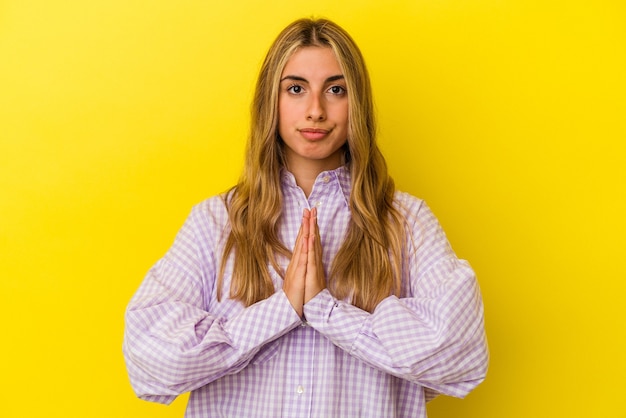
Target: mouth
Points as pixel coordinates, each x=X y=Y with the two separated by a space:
x=313 y=133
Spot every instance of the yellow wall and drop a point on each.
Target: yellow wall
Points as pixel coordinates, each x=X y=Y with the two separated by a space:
x=507 y=116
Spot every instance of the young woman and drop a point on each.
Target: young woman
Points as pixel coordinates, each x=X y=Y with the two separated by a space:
x=312 y=288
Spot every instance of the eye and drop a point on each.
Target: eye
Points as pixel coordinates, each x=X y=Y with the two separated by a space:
x=294 y=89
x=337 y=90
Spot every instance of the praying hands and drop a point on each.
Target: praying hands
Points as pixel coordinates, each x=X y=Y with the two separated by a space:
x=305 y=274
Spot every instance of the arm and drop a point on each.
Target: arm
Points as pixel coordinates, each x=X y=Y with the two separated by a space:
x=172 y=344
x=433 y=335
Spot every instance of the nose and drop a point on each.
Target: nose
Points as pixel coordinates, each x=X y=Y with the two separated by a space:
x=316 y=111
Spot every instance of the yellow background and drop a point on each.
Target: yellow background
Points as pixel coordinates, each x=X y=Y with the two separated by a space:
x=507 y=116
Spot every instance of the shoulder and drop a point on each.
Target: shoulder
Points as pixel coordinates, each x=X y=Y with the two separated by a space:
x=208 y=217
x=202 y=233
x=409 y=206
x=404 y=199
x=213 y=205
x=418 y=216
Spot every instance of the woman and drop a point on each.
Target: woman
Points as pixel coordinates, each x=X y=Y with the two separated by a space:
x=370 y=315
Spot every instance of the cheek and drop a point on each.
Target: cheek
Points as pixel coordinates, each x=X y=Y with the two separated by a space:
x=341 y=109
x=342 y=114
x=285 y=112
x=286 y=120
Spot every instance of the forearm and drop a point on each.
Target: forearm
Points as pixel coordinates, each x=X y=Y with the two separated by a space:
x=174 y=347
x=438 y=343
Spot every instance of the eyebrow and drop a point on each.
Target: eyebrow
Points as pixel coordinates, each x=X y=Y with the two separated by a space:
x=298 y=78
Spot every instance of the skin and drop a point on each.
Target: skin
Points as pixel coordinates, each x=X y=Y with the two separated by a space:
x=312 y=114
x=313 y=124
x=305 y=274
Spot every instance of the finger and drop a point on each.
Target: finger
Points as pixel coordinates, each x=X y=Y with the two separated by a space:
x=311 y=253
x=318 y=255
x=315 y=279
x=296 y=256
x=316 y=242
x=312 y=266
x=311 y=221
x=303 y=230
x=306 y=228
x=313 y=234
x=295 y=277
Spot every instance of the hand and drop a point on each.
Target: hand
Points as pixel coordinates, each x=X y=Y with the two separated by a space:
x=305 y=274
x=315 y=280
x=294 y=282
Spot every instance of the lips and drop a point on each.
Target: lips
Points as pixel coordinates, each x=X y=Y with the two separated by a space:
x=313 y=134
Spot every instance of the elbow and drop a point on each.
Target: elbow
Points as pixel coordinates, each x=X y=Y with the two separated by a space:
x=483 y=366
x=462 y=377
x=474 y=365
x=464 y=367
x=145 y=383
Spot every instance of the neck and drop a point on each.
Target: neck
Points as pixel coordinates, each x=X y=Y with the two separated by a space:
x=306 y=171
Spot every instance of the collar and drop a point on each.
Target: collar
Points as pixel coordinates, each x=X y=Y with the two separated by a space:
x=339 y=175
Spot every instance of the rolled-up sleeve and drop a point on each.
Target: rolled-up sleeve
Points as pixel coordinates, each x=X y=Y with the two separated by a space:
x=433 y=334
x=172 y=344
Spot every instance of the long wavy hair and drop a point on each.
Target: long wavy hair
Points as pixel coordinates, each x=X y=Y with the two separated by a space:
x=368 y=266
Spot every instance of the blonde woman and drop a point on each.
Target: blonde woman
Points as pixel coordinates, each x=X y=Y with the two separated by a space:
x=312 y=288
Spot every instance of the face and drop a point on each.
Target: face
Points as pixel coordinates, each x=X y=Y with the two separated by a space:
x=313 y=109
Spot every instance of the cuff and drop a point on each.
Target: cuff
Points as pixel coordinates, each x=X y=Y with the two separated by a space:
x=338 y=321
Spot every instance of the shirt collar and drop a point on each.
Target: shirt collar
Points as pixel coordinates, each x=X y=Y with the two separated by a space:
x=339 y=175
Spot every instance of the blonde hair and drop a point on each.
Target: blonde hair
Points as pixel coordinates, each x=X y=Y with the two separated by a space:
x=368 y=266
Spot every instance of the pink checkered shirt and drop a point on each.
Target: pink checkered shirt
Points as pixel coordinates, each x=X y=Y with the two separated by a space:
x=263 y=361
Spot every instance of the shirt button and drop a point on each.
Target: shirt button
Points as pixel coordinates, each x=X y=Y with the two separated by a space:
x=326 y=179
x=318 y=203
x=300 y=390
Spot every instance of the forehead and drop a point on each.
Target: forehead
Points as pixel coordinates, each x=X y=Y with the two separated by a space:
x=313 y=61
